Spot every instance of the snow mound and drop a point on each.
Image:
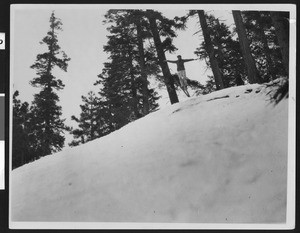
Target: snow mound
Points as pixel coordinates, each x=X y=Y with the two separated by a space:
x=217 y=158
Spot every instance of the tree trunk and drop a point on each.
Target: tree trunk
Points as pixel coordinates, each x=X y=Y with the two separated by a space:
x=145 y=89
x=162 y=58
x=221 y=58
x=134 y=102
x=134 y=96
x=210 y=50
x=93 y=131
x=282 y=33
x=253 y=76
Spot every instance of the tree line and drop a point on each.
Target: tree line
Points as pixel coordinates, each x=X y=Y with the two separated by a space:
x=255 y=51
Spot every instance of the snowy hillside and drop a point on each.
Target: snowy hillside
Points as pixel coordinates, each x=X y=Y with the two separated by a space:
x=218 y=158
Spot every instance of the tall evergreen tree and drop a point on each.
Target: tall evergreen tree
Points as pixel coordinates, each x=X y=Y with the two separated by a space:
x=124 y=86
x=227 y=57
x=210 y=51
x=264 y=44
x=160 y=25
x=20 y=137
x=138 y=20
x=24 y=140
x=219 y=50
x=281 y=23
x=49 y=128
x=92 y=122
x=253 y=75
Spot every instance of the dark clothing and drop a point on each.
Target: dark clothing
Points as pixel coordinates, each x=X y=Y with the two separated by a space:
x=180 y=63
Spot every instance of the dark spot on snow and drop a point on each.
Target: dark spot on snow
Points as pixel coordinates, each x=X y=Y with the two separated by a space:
x=254 y=178
x=258 y=90
x=248 y=91
x=220 y=97
x=70 y=183
x=237 y=96
x=177 y=110
x=226 y=219
x=188 y=163
x=249 y=197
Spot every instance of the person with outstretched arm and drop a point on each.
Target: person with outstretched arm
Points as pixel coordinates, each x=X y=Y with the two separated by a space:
x=181 y=72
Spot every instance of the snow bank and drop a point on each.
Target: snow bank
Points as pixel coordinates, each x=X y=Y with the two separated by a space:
x=218 y=158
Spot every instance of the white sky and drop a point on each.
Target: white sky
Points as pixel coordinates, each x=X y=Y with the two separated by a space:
x=82 y=39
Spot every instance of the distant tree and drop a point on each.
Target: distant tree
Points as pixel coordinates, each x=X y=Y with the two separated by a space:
x=229 y=54
x=281 y=24
x=253 y=75
x=123 y=81
x=226 y=50
x=268 y=33
x=21 y=136
x=140 y=35
x=49 y=128
x=92 y=122
x=209 y=86
x=121 y=45
x=210 y=51
x=264 y=44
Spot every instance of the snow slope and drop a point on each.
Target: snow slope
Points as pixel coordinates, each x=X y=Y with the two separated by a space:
x=218 y=158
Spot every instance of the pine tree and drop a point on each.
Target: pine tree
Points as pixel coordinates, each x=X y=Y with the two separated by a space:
x=92 y=122
x=123 y=83
x=210 y=51
x=23 y=150
x=49 y=128
x=227 y=57
x=119 y=76
x=253 y=75
x=160 y=25
x=281 y=23
x=161 y=31
x=264 y=45
x=138 y=20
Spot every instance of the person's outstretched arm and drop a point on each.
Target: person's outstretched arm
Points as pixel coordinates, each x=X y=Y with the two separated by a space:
x=187 y=60
x=170 y=61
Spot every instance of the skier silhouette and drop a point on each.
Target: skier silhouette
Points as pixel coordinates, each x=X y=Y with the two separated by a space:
x=181 y=72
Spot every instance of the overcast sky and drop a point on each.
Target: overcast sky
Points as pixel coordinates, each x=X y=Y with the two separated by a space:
x=82 y=39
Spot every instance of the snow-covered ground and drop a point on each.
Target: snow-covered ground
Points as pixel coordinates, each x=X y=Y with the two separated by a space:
x=218 y=158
